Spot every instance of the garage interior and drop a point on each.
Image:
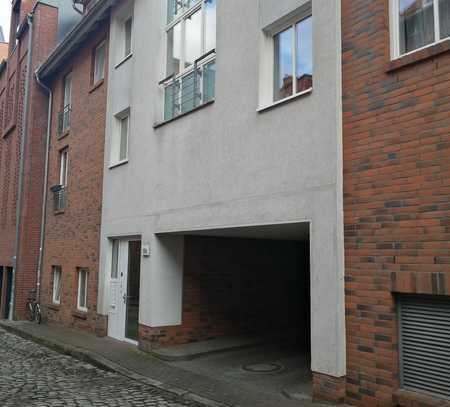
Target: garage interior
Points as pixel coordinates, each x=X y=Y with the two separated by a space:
x=249 y=286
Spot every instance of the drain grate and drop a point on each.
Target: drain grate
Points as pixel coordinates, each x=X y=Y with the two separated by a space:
x=263 y=367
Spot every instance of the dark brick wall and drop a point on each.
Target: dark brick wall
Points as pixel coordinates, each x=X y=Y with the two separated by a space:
x=396 y=126
x=12 y=91
x=73 y=236
x=241 y=286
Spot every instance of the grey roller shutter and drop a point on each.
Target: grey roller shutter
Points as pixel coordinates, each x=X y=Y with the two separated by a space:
x=425 y=345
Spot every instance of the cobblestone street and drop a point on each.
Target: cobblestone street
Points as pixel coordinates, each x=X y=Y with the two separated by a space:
x=33 y=375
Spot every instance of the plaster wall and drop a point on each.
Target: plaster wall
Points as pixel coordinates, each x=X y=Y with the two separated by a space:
x=229 y=165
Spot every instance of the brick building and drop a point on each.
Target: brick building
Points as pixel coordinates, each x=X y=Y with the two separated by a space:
x=76 y=73
x=23 y=111
x=396 y=102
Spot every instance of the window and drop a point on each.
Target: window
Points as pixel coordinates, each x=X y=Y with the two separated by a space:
x=60 y=190
x=63 y=167
x=418 y=23
x=424 y=332
x=190 y=67
x=64 y=115
x=56 y=285
x=128 y=29
x=82 y=289
x=293 y=59
x=119 y=143
x=99 y=63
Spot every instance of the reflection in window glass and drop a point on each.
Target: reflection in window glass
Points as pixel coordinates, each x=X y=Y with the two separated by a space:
x=128 y=32
x=304 y=57
x=209 y=80
x=115 y=260
x=193 y=45
x=174 y=50
x=124 y=125
x=416 y=24
x=189 y=92
x=444 y=17
x=210 y=25
x=283 y=69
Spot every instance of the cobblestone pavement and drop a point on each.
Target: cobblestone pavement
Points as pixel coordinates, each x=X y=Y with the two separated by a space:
x=34 y=376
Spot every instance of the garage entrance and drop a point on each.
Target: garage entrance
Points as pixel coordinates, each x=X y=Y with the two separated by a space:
x=246 y=308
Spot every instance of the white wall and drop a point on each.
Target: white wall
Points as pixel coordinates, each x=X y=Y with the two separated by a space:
x=227 y=165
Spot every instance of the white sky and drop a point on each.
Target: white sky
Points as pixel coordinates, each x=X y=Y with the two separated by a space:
x=5 y=11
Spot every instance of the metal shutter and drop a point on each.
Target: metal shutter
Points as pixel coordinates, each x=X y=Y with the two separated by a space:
x=425 y=345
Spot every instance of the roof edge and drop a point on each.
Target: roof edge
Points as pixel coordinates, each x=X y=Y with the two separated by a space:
x=74 y=38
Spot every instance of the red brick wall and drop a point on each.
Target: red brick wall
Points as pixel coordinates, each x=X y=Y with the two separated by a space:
x=396 y=190
x=12 y=91
x=240 y=286
x=73 y=237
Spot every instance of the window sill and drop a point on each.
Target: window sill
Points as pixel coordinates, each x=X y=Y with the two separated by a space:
x=53 y=307
x=80 y=314
x=420 y=55
x=9 y=129
x=119 y=164
x=63 y=135
x=118 y=65
x=160 y=124
x=59 y=212
x=96 y=85
x=284 y=101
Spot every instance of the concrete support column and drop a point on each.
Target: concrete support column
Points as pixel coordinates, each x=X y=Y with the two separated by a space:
x=162 y=286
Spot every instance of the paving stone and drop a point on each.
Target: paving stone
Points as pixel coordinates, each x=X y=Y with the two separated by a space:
x=34 y=376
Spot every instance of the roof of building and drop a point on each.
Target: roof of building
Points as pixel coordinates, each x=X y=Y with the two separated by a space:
x=75 y=37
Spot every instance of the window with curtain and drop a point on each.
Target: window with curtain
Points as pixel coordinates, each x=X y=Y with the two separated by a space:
x=421 y=23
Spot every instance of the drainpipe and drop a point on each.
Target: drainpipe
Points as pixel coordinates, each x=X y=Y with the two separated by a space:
x=44 y=192
x=21 y=165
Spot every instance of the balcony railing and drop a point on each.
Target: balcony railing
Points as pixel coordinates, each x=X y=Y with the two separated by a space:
x=59 y=197
x=64 y=120
x=192 y=89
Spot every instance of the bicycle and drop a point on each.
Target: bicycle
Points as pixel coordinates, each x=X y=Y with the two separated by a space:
x=33 y=308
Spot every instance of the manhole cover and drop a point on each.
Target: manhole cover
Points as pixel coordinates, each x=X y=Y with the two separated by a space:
x=263 y=367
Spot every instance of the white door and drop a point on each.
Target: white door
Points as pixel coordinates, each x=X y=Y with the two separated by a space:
x=118 y=290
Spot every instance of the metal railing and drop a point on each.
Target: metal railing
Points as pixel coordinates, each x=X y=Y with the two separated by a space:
x=64 y=120
x=59 y=197
x=183 y=93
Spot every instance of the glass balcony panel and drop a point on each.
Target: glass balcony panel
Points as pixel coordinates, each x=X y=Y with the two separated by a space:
x=209 y=81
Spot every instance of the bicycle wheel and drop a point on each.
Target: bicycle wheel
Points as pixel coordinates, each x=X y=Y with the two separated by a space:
x=30 y=312
x=38 y=314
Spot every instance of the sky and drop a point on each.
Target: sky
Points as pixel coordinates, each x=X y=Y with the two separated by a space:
x=5 y=11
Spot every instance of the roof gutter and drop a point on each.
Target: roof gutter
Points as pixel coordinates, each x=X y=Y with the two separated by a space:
x=24 y=137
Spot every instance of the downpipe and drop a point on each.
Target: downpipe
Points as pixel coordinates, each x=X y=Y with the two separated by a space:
x=24 y=137
x=45 y=189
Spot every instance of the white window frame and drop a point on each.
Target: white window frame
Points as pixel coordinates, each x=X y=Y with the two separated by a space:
x=181 y=18
x=117 y=138
x=95 y=79
x=125 y=21
x=64 y=167
x=57 y=271
x=267 y=56
x=80 y=307
x=67 y=83
x=394 y=6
